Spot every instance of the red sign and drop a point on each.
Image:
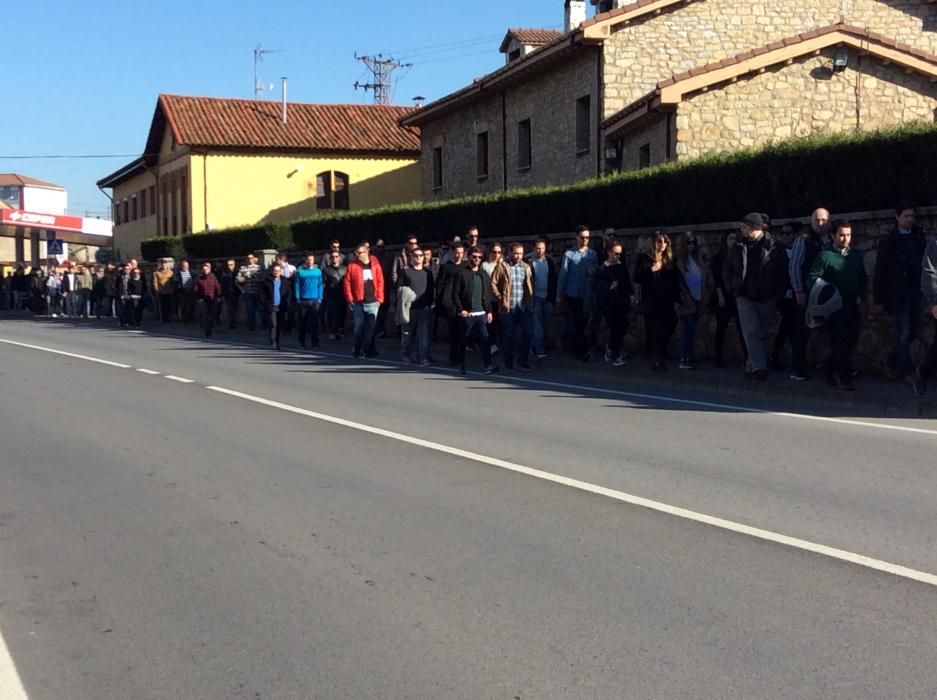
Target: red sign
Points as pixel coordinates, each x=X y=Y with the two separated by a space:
x=49 y=222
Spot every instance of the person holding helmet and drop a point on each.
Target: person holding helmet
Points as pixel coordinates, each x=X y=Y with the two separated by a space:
x=841 y=267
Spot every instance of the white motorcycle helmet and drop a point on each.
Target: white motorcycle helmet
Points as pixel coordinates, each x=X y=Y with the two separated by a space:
x=825 y=300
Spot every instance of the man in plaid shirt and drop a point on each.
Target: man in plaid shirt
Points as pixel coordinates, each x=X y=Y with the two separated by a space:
x=514 y=288
x=208 y=290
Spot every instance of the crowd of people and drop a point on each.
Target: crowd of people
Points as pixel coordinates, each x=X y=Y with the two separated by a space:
x=499 y=299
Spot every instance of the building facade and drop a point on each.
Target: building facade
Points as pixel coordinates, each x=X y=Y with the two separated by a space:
x=641 y=83
x=218 y=163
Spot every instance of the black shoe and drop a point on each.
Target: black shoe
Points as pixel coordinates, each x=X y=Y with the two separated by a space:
x=356 y=353
x=461 y=369
x=372 y=354
x=847 y=385
x=302 y=344
x=720 y=364
x=920 y=384
x=524 y=367
x=760 y=375
x=491 y=370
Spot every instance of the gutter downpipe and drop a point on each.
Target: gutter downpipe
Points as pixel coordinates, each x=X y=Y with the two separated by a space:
x=504 y=142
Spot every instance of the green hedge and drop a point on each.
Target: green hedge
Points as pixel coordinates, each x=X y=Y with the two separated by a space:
x=850 y=172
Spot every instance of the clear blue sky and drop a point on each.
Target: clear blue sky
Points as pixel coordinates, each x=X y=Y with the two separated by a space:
x=82 y=77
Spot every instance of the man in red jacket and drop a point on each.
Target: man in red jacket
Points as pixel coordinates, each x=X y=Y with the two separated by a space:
x=364 y=292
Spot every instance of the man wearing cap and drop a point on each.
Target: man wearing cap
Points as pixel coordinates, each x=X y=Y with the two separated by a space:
x=842 y=267
x=756 y=273
x=929 y=289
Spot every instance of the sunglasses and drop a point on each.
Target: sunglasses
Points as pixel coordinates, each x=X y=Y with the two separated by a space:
x=476 y=257
x=418 y=255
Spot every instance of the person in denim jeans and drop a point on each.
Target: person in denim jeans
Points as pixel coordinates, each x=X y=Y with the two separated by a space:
x=307 y=291
x=471 y=299
x=416 y=277
x=249 y=278
x=514 y=290
x=364 y=292
x=543 y=274
x=694 y=283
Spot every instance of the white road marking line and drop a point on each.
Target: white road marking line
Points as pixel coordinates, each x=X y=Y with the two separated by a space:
x=731 y=526
x=601 y=390
x=178 y=379
x=148 y=371
x=66 y=354
x=11 y=687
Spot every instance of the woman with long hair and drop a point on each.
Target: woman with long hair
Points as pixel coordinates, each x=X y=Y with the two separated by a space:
x=658 y=283
x=693 y=282
x=722 y=302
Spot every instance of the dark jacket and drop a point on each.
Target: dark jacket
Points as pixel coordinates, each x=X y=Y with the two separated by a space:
x=929 y=274
x=462 y=290
x=332 y=278
x=445 y=286
x=230 y=289
x=425 y=300
x=757 y=270
x=552 y=276
x=136 y=287
x=660 y=290
x=612 y=287
x=897 y=266
x=266 y=293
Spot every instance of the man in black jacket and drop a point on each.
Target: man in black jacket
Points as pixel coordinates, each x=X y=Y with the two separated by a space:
x=276 y=294
x=445 y=287
x=613 y=298
x=929 y=291
x=897 y=287
x=471 y=299
x=756 y=272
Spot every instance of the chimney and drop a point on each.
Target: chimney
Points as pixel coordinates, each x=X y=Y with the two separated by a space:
x=575 y=14
x=418 y=101
x=283 y=100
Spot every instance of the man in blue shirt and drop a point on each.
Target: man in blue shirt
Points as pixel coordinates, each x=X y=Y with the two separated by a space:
x=275 y=295
x=308 y=285
x=576 y=276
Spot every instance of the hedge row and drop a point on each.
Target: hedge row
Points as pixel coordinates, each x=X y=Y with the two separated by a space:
x=851 y=172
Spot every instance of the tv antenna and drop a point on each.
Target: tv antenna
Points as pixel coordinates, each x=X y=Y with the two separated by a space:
x=381 y=69
x=259 y=53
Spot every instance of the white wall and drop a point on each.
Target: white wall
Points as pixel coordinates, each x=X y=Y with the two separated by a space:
x=44 y=201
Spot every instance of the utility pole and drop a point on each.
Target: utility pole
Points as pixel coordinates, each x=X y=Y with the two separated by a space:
x=259 y=53
x=381 y=69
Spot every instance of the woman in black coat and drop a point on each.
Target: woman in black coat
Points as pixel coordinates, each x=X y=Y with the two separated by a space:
x=658 y=281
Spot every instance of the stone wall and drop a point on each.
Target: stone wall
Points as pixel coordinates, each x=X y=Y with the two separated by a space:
x=549 y=101
x=639 y=55
x=803 y=98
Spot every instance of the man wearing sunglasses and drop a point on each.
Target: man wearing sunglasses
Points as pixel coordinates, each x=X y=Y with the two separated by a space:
x=472 y=300
x=576 y=277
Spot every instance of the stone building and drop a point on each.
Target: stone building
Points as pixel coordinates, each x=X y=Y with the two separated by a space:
x=641 y=83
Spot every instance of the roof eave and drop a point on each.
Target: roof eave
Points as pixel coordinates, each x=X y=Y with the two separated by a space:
x=131 y=169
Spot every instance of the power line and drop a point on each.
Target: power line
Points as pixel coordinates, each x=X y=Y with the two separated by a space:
x=48 y=156
x=381 y=69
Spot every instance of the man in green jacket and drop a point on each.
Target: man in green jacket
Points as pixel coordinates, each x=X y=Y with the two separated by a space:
x=842 y=267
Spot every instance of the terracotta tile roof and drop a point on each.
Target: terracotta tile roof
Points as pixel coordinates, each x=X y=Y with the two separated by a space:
x=839 y=28
x=255 y=124
x=14 y=180
x=638 y=5
x=530 y=37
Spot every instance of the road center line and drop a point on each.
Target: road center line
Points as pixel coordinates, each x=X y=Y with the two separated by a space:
x=11 y=687
x=174 y=378
x=66 y=354
x=621 y=496
x=148 y=371
x=620 y=393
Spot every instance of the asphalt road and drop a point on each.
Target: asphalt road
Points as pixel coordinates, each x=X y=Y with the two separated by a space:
x=161 y=539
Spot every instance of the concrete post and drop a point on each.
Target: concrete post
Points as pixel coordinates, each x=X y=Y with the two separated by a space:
x=20 y=245
x=266 y=257
x=34 y=246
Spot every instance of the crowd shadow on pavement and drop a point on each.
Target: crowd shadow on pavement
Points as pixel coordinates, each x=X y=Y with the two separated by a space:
x=707 y=389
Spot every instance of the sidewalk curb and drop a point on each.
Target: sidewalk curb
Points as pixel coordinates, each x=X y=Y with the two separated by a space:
x=729 y=383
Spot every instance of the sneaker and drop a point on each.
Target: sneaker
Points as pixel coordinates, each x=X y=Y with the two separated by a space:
x=920 y=384
x=608 y=355
x=523 y=368
x=333 y=336
x=685 y=365
x=541 y=355
x=426 y=363
x=797 y=377
x=619 y=362
x=490 y=370
x=494 y=349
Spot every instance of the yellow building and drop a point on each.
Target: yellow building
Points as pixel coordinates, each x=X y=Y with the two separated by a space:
x=214 y=163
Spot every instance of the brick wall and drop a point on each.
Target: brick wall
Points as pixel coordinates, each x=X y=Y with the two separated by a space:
x=640 y=55
x=803 y=98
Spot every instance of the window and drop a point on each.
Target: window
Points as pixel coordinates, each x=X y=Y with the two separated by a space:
x=324 y=190
x=152 y=200
x=133 y=207
x=125 y=210
x=341 y=191
x=514 y=55
x=173 y=210
x=143 y=203
x=481 y=155
x=583 y=124
x=184 y=202
x=523 y=144
x=437 y=168
x=164 y=195
x=117 y=213
x=644 y=156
